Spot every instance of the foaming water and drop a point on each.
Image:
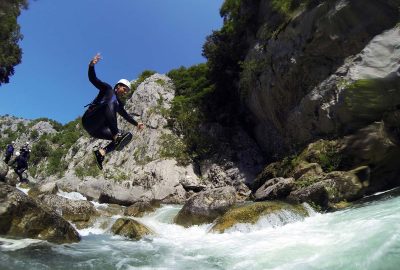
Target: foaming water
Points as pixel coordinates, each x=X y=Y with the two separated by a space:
x=75 y=196
x=363 y=237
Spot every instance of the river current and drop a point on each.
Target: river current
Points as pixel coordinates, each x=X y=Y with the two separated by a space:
x=365 y=236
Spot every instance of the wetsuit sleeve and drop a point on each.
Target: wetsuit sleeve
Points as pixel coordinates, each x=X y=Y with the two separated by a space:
x=126 y=116
x=95 y=81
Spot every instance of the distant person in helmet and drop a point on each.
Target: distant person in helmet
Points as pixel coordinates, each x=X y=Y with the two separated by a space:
x=100 y=119
x=9 y=152
x=20 y=165
x=25 y=151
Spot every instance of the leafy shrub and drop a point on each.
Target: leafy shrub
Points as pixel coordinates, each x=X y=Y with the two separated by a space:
x=10 y=52
x=190 y=108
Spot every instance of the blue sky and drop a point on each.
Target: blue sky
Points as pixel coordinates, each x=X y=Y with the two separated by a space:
x=60 y=38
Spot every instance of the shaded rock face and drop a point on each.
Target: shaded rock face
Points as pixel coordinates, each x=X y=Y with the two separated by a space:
x=206 y=206
x=375 y=146
x=302 y=92
x=130 y=228
x=281 y=213
x=20 y=216
x=275 y=188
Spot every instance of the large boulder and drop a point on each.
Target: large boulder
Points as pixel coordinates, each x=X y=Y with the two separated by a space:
x=105 y=191
x=21 y=216
x=72 y=210
x=206 y=206
x=130 y=228
x=279 y=212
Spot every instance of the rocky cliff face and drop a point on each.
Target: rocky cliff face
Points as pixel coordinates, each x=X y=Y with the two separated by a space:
x=327 y=71
x=141 y=171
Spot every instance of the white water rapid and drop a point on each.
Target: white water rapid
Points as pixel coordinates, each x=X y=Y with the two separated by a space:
x=366 y=236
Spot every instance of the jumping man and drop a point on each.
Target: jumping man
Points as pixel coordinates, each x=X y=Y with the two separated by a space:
x=100 y=119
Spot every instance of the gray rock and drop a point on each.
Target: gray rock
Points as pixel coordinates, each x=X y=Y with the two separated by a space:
x=206 y=206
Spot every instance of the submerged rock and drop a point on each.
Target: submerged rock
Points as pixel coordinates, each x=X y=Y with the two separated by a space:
x=130 y=228
x=21 y=216
x=206 y=206
x=251 y=213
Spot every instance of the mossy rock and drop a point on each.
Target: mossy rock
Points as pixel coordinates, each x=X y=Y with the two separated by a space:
x=251 y=213
x=328 y=154
x=306 y=169
x=342 y=185
x=130 y=228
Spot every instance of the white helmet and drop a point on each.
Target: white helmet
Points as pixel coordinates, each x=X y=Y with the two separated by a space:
x=27 y=143
x=17 y=153
x=13 y=142
x=124 y=82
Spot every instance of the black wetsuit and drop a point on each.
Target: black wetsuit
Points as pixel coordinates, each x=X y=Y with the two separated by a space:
x=100 y=119
x=22 y=165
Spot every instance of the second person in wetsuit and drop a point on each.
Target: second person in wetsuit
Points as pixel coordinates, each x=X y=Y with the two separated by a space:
x=100 y=119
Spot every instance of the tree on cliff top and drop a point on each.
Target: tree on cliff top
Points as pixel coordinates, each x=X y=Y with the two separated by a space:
x=10 y=52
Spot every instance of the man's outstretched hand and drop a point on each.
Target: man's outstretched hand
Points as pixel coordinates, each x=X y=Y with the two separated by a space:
x=95 y=59
x=140 y=126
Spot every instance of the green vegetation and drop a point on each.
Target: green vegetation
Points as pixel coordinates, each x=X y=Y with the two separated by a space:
x=173 y=147
x=190 y=108
x=10 y=52
x=54 y=147
x=226 y=48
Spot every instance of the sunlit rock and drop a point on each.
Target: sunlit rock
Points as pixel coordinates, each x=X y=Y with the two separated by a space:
x=130 y=228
